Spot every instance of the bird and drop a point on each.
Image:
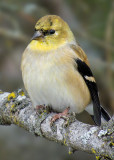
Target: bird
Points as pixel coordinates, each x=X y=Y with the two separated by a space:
x=56 y=71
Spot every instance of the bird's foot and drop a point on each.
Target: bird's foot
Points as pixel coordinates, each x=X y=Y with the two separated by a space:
x=60 y=115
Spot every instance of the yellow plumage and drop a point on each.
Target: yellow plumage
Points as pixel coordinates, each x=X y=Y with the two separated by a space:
x=49 y=70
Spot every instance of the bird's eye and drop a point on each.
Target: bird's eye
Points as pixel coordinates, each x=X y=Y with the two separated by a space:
x=51 y=31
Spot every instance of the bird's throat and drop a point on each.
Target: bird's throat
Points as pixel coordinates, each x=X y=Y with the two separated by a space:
x=43 y=46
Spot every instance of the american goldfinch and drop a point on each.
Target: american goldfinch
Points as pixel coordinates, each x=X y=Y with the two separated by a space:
x=56 y=71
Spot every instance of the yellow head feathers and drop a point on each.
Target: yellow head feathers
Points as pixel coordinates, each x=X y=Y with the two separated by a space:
x=51 y=32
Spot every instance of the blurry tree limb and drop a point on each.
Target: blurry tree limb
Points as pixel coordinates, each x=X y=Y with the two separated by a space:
x=14 y=34
x=16 y=108
x=108 y=53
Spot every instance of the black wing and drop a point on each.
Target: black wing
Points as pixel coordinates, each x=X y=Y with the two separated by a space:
x=86 y=73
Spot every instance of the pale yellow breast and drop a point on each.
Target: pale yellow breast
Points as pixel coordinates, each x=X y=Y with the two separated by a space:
x=52 y=79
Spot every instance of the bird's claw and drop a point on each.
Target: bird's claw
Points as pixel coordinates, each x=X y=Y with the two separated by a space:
x=63 y=115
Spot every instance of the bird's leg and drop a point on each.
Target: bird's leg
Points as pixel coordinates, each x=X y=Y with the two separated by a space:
x=60 y=115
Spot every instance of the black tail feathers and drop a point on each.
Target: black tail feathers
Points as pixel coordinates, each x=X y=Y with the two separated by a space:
x=105 y=114
x=97 y=114
x=102 y=116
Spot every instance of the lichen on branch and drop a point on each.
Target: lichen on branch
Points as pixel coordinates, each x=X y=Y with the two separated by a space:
x=16 y=108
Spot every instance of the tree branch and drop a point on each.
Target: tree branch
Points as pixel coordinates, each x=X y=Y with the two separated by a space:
x=16 y=108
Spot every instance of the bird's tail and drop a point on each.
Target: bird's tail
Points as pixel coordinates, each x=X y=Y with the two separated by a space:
x=105 y=117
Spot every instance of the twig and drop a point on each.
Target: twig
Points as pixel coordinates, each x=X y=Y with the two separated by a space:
x=16 y=108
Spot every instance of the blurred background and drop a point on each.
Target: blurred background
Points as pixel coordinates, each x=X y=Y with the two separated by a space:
x=92 y=22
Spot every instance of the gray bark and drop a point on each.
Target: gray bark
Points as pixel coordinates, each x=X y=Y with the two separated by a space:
x=16 y=108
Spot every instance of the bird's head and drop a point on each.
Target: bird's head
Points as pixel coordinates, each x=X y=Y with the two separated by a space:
x=51 y=32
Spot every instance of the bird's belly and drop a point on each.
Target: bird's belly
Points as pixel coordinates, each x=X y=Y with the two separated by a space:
x=51 y=86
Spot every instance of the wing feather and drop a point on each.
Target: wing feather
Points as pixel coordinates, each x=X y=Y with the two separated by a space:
x=87 y=75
